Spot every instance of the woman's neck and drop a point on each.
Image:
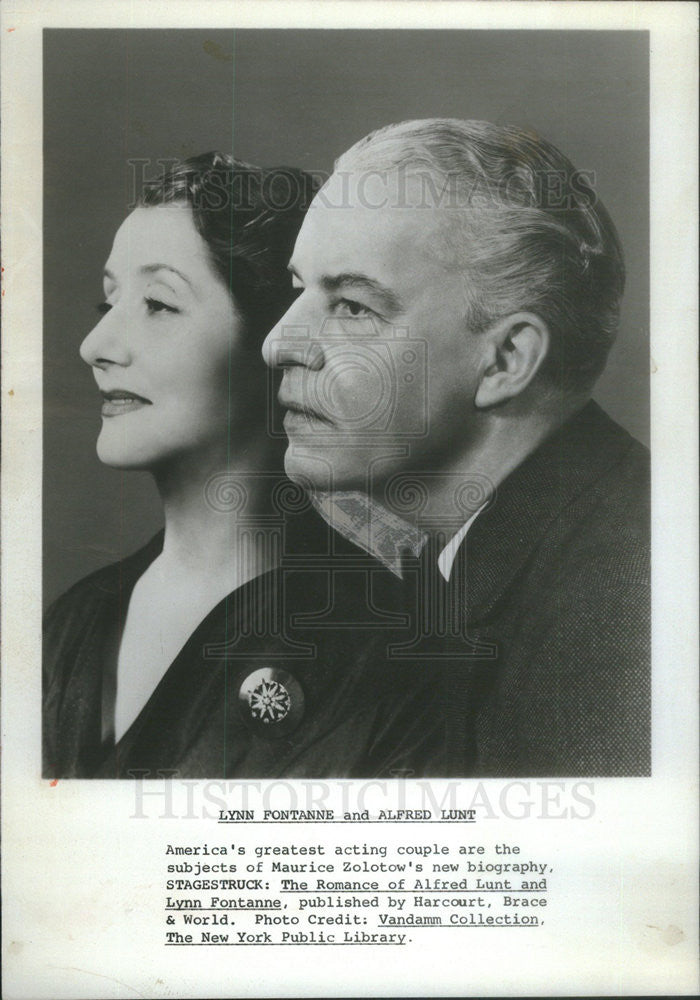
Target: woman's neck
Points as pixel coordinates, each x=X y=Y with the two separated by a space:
x=217 y=514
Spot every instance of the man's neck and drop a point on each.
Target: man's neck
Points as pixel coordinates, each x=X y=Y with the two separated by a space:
x=455 y=490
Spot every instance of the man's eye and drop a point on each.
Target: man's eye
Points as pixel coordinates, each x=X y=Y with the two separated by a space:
x=156 y=306
x=103 y=308
x=348 y=307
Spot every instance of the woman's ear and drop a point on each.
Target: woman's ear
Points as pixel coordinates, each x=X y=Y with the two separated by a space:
x=516 y=348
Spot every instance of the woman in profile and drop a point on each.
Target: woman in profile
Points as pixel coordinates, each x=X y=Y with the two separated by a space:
x=195 y=279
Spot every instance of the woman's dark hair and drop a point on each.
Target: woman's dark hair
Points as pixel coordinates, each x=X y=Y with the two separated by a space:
x=249 y=218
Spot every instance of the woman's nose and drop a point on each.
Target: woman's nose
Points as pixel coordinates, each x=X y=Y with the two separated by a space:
x=107 y=343
x=290 y=343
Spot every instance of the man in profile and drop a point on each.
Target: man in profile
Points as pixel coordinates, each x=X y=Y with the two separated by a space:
x=460 y=286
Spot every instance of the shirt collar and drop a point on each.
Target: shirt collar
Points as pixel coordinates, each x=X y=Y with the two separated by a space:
x=382 y=534
x=449 y=553
x=370 y=526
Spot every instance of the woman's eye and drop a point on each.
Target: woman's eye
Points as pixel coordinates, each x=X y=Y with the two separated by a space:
x=348 y=307
x=103 y=308
x=156 y=306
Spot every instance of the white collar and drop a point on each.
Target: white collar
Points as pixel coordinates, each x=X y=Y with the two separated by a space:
x=381 y=533
x=449 y=553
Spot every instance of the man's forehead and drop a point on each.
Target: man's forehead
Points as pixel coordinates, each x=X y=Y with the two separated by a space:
x=388 y=194
x=364 y=217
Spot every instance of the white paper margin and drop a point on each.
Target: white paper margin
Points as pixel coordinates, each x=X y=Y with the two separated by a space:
x=78 y=874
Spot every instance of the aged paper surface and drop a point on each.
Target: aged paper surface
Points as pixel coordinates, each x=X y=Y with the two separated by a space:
x=93 y=905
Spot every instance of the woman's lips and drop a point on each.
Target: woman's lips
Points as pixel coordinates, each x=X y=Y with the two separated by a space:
x=120 y=401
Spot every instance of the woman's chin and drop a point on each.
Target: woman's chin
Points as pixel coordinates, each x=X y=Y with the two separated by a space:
x=121 y=456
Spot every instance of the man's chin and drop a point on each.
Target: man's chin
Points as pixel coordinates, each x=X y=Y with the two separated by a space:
x=314 y=472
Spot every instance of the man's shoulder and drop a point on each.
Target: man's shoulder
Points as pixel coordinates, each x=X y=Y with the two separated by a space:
x=596 y=547
x=588 y=574
x=577 y=508
x=612 y=511
x=609 y=516
x=594 y=457
x=573 y=623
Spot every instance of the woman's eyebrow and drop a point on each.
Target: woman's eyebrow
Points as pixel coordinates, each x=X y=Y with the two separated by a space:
x=152 y=268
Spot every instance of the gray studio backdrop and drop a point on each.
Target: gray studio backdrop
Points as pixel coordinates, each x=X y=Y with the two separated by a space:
x=299 y=98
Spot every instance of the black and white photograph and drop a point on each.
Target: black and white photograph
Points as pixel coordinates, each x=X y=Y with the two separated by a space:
x=348 y=490
x=418 y=544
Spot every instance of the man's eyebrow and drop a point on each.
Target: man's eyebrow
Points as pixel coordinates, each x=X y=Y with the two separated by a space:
x=390 y=300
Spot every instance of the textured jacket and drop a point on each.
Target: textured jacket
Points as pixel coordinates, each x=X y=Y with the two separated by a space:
x=544 y=658
x=534 y=660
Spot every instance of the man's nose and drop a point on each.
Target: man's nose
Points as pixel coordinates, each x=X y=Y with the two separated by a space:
x=291 y=343
x=107 y=343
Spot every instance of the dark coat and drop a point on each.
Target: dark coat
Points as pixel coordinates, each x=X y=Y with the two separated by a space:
x=548 y=615
x=533 y=661
x=321 y=618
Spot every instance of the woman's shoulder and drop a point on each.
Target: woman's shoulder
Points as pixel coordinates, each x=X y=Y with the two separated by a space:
x=105 y=582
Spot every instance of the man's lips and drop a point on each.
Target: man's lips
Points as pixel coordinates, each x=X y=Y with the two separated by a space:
x=117 y=401
x=298 y=410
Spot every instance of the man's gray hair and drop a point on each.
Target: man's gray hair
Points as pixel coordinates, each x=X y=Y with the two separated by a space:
x=533 y=236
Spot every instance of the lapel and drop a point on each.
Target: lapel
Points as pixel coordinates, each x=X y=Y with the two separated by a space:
x=529 y=504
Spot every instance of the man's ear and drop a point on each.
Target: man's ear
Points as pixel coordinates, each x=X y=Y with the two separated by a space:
x=516 y=346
